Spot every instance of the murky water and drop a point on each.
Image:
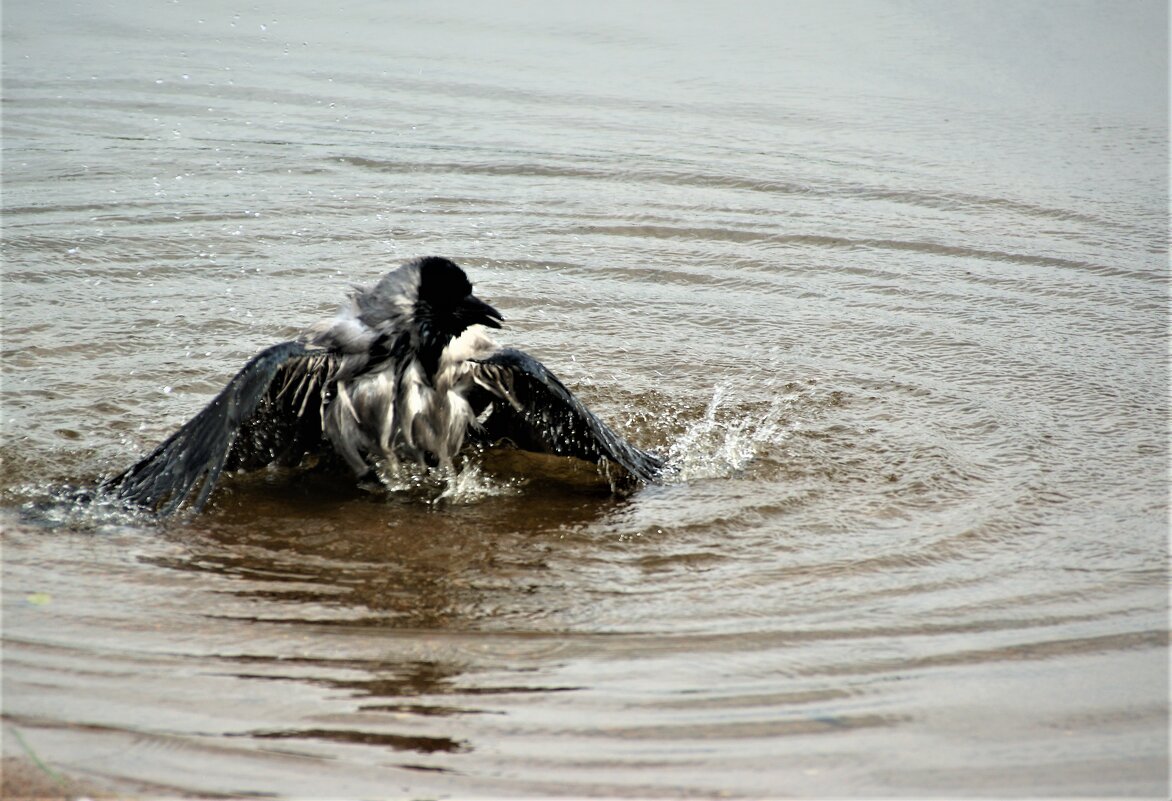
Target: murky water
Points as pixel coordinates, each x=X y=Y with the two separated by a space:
x=888 y=281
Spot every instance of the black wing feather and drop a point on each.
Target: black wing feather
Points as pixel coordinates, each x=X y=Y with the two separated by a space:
x=540 y=414
x=271 y=410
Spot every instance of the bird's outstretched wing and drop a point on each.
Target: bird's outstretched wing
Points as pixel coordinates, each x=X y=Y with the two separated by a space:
x=270 y=411
x=535 y=411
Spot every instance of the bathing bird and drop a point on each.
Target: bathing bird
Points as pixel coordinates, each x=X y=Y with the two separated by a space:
x=403 y=375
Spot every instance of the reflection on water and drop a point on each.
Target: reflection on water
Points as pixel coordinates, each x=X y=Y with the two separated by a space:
x=887 y=284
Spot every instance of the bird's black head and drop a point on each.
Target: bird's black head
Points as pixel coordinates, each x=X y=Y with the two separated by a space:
x=445 y=307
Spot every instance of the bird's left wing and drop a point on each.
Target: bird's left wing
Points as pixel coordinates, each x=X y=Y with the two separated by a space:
x=270 y=411
x=535 y=411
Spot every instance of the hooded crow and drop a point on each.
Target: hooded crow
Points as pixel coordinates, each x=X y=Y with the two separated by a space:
x=403 y=374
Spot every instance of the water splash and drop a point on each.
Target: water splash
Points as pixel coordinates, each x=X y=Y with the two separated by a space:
x=53 y=506
x=726 y=439
x=471 y=484
x=467 y=483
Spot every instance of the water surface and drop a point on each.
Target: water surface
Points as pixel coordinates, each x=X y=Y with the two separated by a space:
x=887 y=281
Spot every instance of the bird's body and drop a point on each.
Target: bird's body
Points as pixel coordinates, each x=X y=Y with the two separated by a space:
x=403 y=374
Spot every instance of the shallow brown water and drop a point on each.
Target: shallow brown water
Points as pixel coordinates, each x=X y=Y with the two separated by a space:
x=886 y=281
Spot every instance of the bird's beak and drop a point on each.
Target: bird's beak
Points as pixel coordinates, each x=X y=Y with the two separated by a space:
x=476 y=311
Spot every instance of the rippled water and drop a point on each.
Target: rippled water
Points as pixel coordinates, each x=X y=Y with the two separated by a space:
x=887 y=281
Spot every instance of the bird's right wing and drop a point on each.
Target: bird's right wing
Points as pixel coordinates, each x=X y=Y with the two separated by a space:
x=535 y=411
x=270 y=411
